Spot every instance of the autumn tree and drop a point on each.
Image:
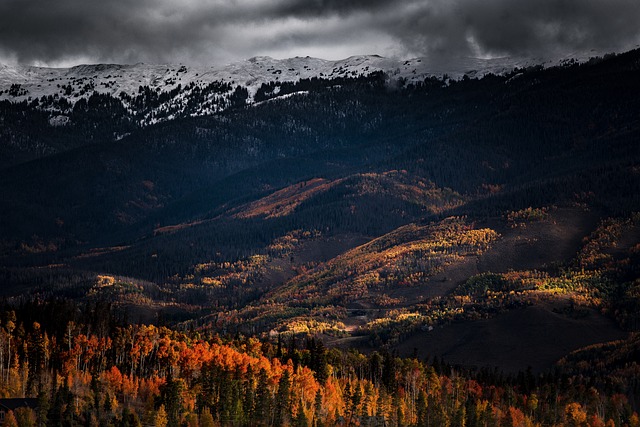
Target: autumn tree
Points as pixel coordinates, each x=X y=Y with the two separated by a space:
x=206 y=419
x=421 y=409
x=37 y=355
x=10 y=420
x=26 y=417
x=575 y=415
x=161 y=419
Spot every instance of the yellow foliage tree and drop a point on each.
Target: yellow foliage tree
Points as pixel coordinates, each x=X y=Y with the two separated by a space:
x=575 y=415
x=206 y=419
x=161 y=417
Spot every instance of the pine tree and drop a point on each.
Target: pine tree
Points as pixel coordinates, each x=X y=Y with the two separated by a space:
x=301 y=418
x=171 y=397
x=108 y=404
x=237 y=410
x=263 y=400
x=352 y=400
x=54 y=415
x=459 y=418
x=318 y=362
x=129 y=419
x=43 y=408
x=283 y=400
x=206 y=397
x=37 y=356
x=249 y=397
x=436 y=414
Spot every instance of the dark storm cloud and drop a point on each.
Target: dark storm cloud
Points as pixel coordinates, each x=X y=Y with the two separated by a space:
x=123 y=30
x=49 y=31
x=316 y=8
x=518 y=27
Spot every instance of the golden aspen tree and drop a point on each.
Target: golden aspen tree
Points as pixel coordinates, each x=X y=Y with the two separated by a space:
x=161 y=419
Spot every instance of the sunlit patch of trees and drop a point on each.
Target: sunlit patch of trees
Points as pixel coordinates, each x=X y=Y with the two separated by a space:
x=574 y=290
x=521 y=217
x=405 y=257
x=598 y=250
x=285 y=245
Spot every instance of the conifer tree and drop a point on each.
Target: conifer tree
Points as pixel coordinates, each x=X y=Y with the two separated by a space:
x=263 y=399
x=43 y=408
x=301 y=418
x=283 y=400
x=171 y=396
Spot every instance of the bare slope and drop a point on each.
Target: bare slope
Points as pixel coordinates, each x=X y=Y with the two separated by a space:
x=533 y=245
x=534 y=336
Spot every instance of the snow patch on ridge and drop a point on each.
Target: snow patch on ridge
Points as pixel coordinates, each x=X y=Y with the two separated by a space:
x=114 y=79
x=125 y=82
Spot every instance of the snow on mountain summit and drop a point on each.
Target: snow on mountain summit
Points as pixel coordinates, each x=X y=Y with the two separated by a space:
x=126 y=82
x=251 y=73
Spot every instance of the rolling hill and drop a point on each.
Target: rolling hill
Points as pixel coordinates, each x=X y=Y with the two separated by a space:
x=338 y=200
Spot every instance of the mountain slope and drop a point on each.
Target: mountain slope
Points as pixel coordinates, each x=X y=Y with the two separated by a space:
x=48 y=110
x=351 y=208
x=499 y=138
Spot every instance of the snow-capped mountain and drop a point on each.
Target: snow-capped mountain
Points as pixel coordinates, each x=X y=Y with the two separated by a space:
x=63 y=87
x=113 y=79
x=156 y=93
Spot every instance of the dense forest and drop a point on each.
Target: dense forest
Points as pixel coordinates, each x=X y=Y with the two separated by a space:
x=95 y=371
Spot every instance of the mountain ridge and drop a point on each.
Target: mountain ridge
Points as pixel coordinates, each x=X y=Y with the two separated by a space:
x=49 y=110
x=36 y=82
x=257 y=70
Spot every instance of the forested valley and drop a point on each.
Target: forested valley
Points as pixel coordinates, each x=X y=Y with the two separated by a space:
x=355 y=251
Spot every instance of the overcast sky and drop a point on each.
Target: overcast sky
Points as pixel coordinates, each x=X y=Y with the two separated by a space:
x=68 y=32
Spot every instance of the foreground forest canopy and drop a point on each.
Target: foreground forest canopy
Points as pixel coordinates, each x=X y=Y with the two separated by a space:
x=148 y=375
x=349 y=251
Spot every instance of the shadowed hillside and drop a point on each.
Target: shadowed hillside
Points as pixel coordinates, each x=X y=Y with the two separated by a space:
x=360 y=212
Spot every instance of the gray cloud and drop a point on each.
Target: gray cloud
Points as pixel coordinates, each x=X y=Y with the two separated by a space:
x=213 y=31
x=317 y=8
x=520 y=27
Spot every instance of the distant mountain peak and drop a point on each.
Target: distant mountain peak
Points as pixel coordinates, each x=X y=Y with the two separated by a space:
x=181 y=83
